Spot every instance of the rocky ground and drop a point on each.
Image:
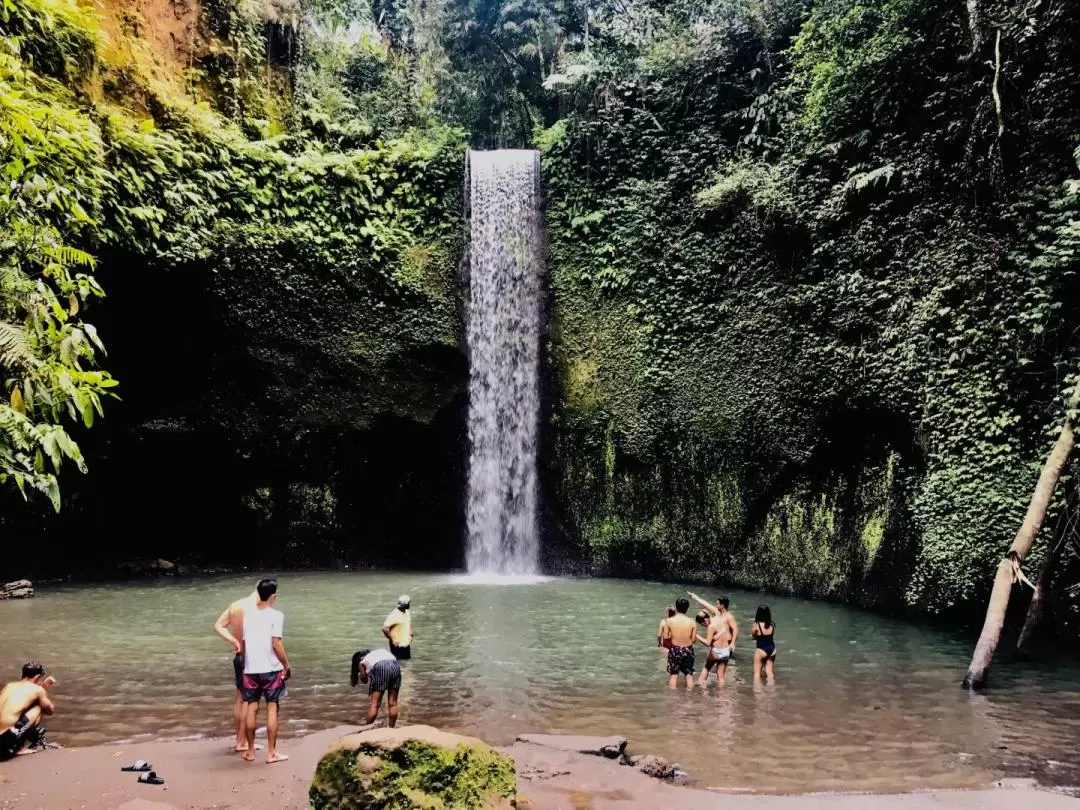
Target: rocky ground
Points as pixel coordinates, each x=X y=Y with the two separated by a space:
x=205 y=774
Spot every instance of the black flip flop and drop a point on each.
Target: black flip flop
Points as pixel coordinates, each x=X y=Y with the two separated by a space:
x=138 y=765
x=151 y=779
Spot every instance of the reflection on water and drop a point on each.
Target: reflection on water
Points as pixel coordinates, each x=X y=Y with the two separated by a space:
x=861 y=702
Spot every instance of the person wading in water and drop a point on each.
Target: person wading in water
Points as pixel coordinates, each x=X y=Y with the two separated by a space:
x=380 y=670
x=398 y=630
x=663 y=635
x=764 y=632
x=721 y=641
x=680 y=659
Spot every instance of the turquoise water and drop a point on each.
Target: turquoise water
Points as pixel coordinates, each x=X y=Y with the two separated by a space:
x=861 y=702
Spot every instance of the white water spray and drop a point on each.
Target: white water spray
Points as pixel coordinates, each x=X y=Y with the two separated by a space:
x=504 y=360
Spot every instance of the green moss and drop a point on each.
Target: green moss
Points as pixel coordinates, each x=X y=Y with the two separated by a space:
x=414 y=775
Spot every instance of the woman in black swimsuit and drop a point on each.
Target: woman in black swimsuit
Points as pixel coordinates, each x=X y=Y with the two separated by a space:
x=763 y=632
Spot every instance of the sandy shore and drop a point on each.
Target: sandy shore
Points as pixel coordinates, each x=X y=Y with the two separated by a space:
x=205 y=774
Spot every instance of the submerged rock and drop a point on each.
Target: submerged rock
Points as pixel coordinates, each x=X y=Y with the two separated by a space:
x=413 y=766
x=610 y=747
x=19 y=589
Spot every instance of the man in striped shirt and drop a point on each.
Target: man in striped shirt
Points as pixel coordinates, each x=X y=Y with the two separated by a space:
x=380 y=670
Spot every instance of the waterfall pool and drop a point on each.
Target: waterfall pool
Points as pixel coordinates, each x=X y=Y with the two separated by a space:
x=861 y=702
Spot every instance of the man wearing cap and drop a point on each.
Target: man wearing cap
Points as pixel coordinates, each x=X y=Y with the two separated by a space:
x=398 y=629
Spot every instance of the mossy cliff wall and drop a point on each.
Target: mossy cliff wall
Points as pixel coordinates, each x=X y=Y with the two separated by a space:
x=280 y=256
x=815 y=304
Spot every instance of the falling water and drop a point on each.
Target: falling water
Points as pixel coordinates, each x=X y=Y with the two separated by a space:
x=504 y=346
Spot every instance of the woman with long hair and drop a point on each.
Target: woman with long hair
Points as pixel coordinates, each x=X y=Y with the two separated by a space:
x=763 y=632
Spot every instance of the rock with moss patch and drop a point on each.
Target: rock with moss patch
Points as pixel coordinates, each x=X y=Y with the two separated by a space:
x=412 y=767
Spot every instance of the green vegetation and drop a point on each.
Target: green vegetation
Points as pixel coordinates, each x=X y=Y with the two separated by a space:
x=812 y=263
x=415 y=773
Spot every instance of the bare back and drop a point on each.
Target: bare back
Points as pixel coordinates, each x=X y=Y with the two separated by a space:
x=235 y=622
x=683 y=630
x=15 y=698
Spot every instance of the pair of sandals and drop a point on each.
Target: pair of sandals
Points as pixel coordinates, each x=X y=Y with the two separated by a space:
x=147 y=775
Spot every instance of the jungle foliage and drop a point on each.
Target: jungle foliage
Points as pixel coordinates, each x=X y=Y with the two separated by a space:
x=812 y=262
x=298 y=208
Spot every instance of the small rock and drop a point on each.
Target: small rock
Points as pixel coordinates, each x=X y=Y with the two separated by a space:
x=610 y=747
x=19 y=589
x=655 y=767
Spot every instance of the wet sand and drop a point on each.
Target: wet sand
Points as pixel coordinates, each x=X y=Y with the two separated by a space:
x=206 y=774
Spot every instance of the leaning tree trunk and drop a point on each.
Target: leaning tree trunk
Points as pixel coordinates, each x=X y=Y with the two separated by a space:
x=1009 y=568
x=1062 y=531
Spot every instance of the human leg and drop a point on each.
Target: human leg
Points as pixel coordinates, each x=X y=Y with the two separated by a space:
x=721 y=672
x=391 y=706
x=239 y=713
x=759 y=657
x=251 y=715
x=709 y=663
x=373 y=706
x=272 y=713
x=769 y=668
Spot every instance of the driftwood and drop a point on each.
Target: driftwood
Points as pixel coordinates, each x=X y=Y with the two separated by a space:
x=1009 y=571
x=19 y=589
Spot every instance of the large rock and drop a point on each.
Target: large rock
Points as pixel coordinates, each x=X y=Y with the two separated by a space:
x=412 y=767
x=610 y=747
x=19 y=589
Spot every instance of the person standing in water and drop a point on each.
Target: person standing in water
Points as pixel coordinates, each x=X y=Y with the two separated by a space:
x=230 y=627
x=23 y=703
x=720 y=640
x=763 y=632
x=266 y=668
x=663 y=635
x=380 y=670
x=720 y=611
x=683 y=631
x=398 y=629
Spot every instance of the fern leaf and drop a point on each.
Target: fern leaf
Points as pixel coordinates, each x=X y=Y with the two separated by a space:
x=15 y=350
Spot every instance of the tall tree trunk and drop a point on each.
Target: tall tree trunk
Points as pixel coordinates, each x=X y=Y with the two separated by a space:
x=1062 y=531
x=1008 y=570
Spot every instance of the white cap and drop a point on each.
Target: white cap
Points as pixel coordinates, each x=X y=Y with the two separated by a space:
x=403 y=600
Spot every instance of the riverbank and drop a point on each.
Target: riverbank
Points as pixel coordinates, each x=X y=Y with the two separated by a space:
x=205 y=773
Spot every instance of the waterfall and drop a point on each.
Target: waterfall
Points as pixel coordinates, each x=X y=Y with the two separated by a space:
x=504 y=360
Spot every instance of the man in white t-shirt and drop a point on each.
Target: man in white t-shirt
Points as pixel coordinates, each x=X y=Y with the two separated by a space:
x=380 y=670
x=398 y=629
x=230 y=626
x=266 y=668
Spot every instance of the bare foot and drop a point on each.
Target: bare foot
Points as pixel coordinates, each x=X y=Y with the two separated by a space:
x=276 y=757
x=25 y=752
x=242 y=747
x=249 y=756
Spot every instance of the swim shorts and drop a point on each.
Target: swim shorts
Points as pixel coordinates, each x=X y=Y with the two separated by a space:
x=238 y=670
x=12 y=739
x=720 y=654
x=268 y=685
x=680 y=661
x=385 y=676
x=401 y=653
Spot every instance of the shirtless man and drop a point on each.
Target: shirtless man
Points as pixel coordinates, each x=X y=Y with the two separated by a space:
x=680 y=659
x=230 y=626
x=22 y=705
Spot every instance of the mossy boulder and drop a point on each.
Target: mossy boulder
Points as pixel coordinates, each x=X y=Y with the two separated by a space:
x=412 y=767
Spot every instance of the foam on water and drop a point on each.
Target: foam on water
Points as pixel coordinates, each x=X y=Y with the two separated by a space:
x=497 y=579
